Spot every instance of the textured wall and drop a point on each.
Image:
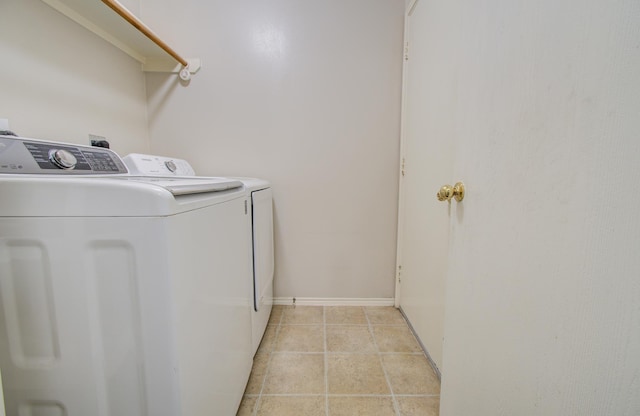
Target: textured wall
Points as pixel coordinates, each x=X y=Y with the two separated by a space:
x=306 y=95
x=59 y=81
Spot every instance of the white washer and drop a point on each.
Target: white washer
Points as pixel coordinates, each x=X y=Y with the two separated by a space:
x=261 y=221
x=119 y=295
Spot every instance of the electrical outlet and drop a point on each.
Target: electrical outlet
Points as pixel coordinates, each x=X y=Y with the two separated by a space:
x=4 y=124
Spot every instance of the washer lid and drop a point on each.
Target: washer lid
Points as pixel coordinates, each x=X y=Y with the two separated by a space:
x=115 y=196
x=186 y=186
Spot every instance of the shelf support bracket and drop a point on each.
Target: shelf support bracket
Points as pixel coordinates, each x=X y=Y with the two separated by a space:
x=192 y=67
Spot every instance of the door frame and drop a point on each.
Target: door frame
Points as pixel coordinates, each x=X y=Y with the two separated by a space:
x=401 y=187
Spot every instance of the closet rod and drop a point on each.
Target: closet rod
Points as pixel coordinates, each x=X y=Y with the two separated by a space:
x=144 y=29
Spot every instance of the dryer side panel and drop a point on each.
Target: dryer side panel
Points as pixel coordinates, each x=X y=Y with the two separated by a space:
x=263 y=264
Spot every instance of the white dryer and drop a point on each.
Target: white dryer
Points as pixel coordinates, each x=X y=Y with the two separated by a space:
x=120 y=295
x=260 y=196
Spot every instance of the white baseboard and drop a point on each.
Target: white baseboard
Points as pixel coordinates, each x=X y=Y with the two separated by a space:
x=335 y=301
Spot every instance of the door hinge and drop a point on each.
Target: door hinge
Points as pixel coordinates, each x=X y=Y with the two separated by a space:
x=402 y=170
x=406 y=51
x=246 y=211
x=399 y=273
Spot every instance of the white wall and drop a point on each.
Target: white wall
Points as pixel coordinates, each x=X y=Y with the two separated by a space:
x=306 y=95
x=59 y=81
x=543 y=293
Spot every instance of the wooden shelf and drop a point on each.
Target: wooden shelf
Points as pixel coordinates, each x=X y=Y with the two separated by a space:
x=118 y=26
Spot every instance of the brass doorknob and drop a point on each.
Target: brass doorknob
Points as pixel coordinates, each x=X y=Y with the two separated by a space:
x=447 y=192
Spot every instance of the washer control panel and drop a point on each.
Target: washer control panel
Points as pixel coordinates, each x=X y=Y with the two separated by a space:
x=19 y=155
x=62 y=158
x=149 y=165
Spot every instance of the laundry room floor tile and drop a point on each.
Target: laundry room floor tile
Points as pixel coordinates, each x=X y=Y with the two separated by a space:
x=247 y=406
x=291 y=406
x=384 y=315
x=418 y=405
x=295 y=373
x=258 y=371
x=300 y=338
x=268 y=339
x=395 y=339
x=361 y=405
x=345 y=315
x=410 y=374
x=349 y=338
x=356 y=374
x=276 y=314
x=302 y=315
x=335 y=361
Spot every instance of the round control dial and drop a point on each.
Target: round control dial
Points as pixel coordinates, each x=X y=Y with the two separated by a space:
x=62 y=158
x=170 y=164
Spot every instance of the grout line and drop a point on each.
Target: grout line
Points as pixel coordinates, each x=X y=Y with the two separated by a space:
x=320 y=323
x=340 y=395
x=297 y=395
x=347 y=353
x=326 y=362
x=403 y=325
x=417 y=395
x=396 y=408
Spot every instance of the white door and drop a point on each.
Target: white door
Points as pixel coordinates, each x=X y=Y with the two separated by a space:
x=542 y=310
x=428 y=134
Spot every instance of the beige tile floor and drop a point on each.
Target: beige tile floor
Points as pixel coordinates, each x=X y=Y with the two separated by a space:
x=340 y=361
